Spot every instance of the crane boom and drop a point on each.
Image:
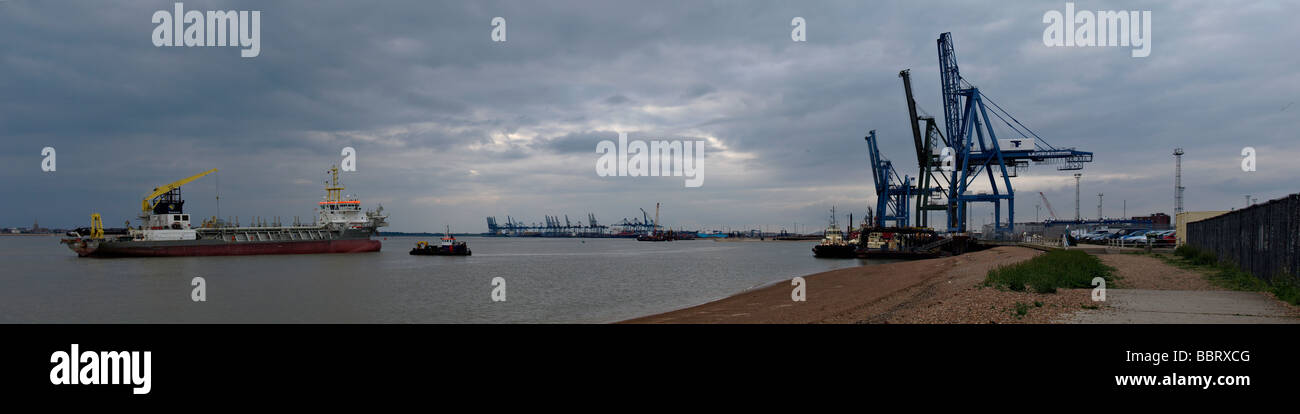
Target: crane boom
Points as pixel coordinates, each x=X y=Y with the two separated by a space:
x=950 y=76
x=926 y=142
x=1049 y=205
x=148 y=204
x=921 y=157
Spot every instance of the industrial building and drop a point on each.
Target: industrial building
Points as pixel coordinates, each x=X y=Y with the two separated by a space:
x=1190 y=216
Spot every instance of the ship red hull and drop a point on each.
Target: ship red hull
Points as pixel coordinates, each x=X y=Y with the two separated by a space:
x=239 y=249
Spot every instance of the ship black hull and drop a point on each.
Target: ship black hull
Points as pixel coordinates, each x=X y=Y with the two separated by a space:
x=221 y=248
x=829 y=251
x=434 y=251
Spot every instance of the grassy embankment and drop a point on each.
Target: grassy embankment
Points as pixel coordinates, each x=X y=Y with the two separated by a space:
x=1048 y=272
x=1226 y=274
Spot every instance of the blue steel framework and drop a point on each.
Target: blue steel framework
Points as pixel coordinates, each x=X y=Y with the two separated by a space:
x=968 y=124
x=892 y=192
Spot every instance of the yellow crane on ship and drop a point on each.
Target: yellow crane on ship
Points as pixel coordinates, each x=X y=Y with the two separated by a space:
x=96 y=226
x=148 y=204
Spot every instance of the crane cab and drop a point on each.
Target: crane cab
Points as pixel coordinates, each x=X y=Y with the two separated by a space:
x=169 y=221
x=170 y=226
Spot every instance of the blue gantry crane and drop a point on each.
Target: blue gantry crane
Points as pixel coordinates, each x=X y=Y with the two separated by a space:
x=892 y=192
x=976 y=150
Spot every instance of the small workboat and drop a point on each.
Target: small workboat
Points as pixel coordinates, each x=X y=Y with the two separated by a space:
x=659 y=236
x=833 y=243
x=448 y=247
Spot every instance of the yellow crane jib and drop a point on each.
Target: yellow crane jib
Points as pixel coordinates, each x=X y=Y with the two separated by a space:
x=96 y=226
x=148 y=204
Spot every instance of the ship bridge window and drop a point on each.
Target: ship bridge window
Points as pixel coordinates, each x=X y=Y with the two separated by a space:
x=185 y=217
x=176 y=217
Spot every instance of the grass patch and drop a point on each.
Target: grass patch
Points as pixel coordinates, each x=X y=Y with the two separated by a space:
x=1287 y=290
x=1196 y=257
x=1233 y=278
x=1050 y=271
x=1226 y=274
x=1021 y=310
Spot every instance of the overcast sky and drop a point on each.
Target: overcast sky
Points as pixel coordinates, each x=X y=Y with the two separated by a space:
x=451 y=127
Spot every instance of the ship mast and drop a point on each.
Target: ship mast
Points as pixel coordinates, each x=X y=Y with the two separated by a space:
x=334 y=191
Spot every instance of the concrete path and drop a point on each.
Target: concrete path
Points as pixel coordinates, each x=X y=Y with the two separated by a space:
x=1185 y=306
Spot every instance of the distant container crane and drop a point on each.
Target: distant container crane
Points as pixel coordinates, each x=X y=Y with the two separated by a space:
x=552 y=227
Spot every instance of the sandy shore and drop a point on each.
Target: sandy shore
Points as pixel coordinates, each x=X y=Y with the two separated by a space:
x=944 y=290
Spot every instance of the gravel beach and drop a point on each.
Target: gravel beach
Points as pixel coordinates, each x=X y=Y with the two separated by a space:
x=943 y=290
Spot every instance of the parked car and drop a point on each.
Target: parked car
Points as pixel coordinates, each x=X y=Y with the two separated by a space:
x=1136 y=236
x=1116 y=235
x=1094 y=236
x=1167 y=237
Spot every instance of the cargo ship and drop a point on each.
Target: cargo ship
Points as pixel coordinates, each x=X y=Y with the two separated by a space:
x=165 y=230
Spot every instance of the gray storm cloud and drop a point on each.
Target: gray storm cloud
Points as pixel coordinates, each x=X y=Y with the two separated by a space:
x=451 y=127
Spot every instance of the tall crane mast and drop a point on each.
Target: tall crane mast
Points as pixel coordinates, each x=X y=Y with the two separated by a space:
x=950 y=77
x=656 y=226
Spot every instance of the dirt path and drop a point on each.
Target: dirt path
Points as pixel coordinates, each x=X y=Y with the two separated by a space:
x=1152 y=291
x=1147 y=272
x=1187 y=306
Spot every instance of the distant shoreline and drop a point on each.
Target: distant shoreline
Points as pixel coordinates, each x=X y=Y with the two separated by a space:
x=404 y=234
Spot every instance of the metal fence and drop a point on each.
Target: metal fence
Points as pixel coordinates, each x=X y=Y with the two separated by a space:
x=1263 y=239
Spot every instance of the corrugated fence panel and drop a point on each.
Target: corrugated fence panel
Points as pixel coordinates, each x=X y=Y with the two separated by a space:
x=1263 y=239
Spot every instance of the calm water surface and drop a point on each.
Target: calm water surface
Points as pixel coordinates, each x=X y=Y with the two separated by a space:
x=547 y=281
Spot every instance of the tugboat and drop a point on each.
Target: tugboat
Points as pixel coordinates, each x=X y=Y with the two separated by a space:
x=448 y=247
x=833 y=244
